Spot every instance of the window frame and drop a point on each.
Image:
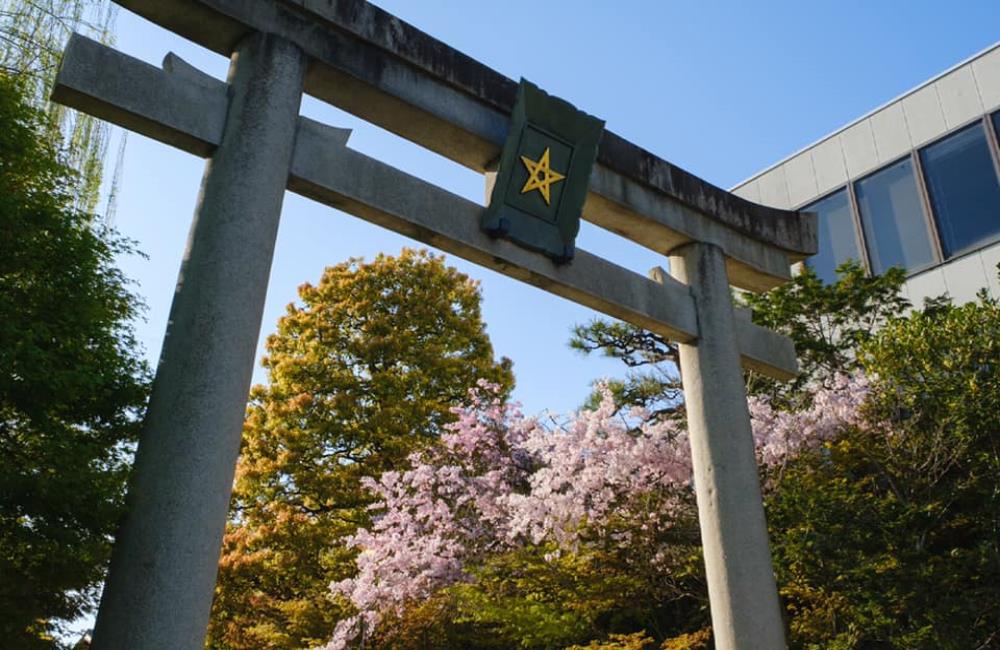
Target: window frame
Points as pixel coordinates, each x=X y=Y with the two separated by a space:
x=990 y=120
x=852 y=206
x=922 y=200
x=993 y=146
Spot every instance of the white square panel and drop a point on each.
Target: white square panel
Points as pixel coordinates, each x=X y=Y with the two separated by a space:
x=828 y=162
x=749 y=191
x=959 y=97
x=924 y=116
x=773 y=189
x=990 y=258
x=859 y=148
x=929 y=284
x=892 y=138
x=964 y=277
x=801 y=179
x=986 y=70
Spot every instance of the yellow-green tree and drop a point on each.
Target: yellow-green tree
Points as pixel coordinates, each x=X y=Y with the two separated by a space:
x=363 y=372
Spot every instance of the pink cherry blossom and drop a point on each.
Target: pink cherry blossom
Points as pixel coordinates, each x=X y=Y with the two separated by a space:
x=499 y=481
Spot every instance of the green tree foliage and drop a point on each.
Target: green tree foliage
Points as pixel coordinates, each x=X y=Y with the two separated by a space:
x=652 y=382
x=33 y=34
x=609 y=596
x=827 y=322
x=535 y=598
x=539 y=598
x=891 y=538
x=71 y=384
x=364 y=372
x=888 y=536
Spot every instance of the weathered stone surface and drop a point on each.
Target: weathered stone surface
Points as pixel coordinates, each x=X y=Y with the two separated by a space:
x=744 y=599
x=376 y=66
x=324 y=169
x=177 y=104
x=355 y=183
x=160 y=586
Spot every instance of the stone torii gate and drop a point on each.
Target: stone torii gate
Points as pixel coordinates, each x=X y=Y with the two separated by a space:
x=368 y=62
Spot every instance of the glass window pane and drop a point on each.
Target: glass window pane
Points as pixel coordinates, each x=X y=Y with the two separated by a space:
x=963 y=188
x=837 y=240
x=893 y=220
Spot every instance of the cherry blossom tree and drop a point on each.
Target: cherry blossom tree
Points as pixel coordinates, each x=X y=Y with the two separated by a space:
x=500 y=481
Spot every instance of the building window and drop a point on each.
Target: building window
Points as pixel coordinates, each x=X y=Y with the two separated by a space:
x=837 y=239
x=893 y=220
x=963 y=188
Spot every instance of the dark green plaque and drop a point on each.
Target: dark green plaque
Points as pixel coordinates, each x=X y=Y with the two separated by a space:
x=543 y=174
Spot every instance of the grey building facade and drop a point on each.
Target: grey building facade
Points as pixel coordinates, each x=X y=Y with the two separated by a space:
x=915 y=183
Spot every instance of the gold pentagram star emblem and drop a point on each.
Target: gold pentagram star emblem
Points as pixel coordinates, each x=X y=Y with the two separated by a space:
x=540 y=176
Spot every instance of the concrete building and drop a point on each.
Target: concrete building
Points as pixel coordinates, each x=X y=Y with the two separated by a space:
x=915 y=183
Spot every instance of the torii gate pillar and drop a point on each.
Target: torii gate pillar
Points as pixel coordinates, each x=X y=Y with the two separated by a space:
x=741 y=586
x=164 y=564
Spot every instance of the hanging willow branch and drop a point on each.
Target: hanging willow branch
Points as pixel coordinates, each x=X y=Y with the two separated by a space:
x=32 y=36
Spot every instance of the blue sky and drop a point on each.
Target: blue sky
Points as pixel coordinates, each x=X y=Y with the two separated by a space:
x=722 y=89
